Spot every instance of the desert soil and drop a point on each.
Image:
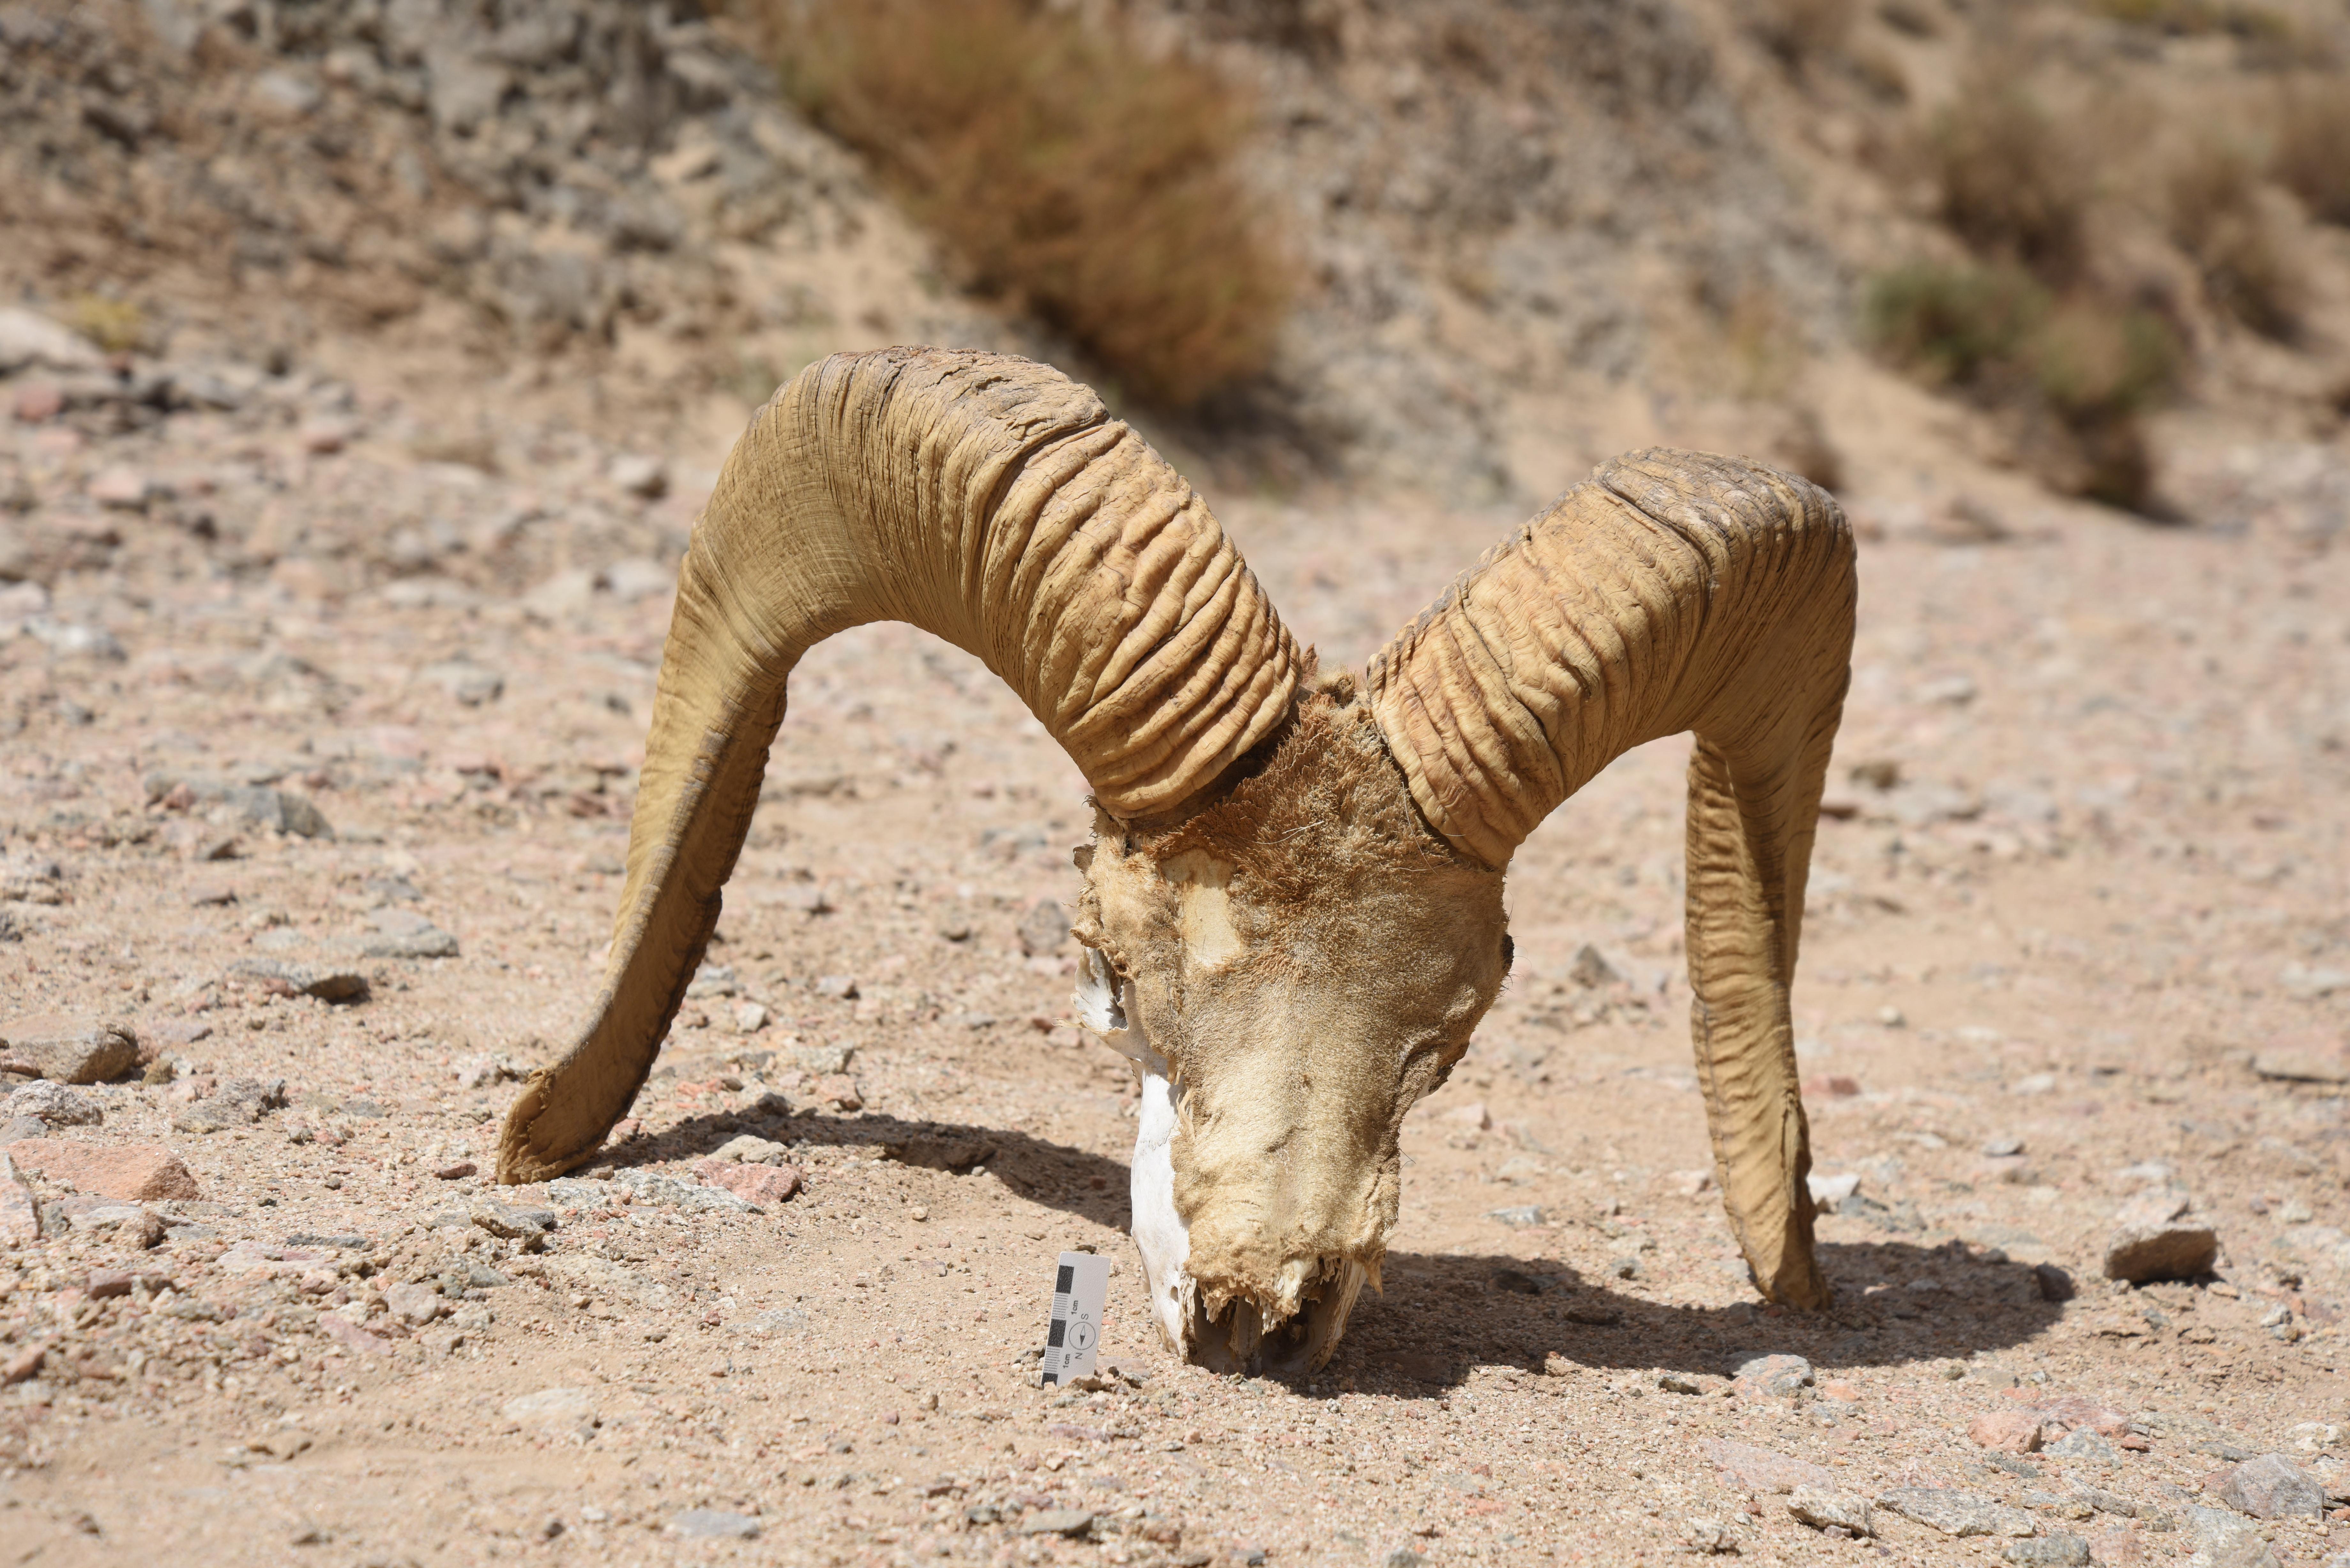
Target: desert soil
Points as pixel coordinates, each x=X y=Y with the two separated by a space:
x=2075 y=938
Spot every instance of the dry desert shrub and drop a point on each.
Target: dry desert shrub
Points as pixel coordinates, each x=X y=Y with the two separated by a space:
x=2312 y=158
x=2213 y=206
x=1090 y=184
x=2075 y=373
x=2007 y=180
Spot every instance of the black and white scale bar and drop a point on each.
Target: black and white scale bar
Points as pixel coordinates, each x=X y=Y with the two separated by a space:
x=1080 y=1292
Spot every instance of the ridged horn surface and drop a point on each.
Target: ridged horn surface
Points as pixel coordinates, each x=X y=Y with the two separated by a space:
x=1673 y=591
x=983 y=498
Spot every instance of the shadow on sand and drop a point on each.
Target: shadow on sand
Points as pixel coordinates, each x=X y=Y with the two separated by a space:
x=1441 y=1316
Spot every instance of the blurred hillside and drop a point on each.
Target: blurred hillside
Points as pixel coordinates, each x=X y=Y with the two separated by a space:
x=1941 y=254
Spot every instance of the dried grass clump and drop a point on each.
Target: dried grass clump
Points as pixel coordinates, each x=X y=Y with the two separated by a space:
x=2212 y=198
x=2007 y=181
x=1089 y=183
x=2312 y=158
x=2076 y=372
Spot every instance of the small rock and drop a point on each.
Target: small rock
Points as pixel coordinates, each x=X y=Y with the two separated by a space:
x=840 y=986
x=465 y=680
x=1706 y=1534
x=23 y=1367
x=1956 y=1513
x=823 y=1061
x=1067 y=1521
x=2151 y=1241
x=511 y=1221
x=2002 y=1147
x=1473 y=1114
x=2273 y=1487
x=1519 y=1217
x=750 y=1149
x=2224 y=1540
x=54 y=1105
x=65 y=1052
x=327 y=982
x=1830 y=1192
x=130 y=1173
x=840 y=1091
x=405 y=934
x=20 y=1212
x=750 y=1017
x=2054 y=1283
x=126 y=1221
x=26 y=338
x=2081 y=1443
x=18 y=1128
x=1760 y=1470
x=2049 y=1550
x=2303 y=1066
x=714 y=1524
x=1780 y=1375
x=567 y=1409
x=415 y=1303
x=1590 y=969
x=761 y=1184
x=1044 y=928
x=123 y=489
x=646 y=477
x=2008 y=1431
x=1822 y=1507
x=238 y=1103
x=457 y=1172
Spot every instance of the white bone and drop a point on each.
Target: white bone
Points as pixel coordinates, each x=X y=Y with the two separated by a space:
x=1105 y=1005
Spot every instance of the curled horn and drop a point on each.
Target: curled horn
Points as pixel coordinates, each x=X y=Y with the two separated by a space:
x=1673 y=591
x=985 y=499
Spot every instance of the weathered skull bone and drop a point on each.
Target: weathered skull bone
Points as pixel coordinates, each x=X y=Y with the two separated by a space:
x=1292 y=914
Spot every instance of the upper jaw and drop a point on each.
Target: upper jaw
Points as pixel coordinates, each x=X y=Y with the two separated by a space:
x=1289 y=1331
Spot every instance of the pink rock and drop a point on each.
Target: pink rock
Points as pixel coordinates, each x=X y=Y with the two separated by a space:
x=2073 y=1410
x=350 y=1335
x=1475 y=1116
x=135 y=1173
x=764 y=1184
x=1763 y=1470
x=124 y=487
x=38 y=402
x=415 y=1303
x=24 y=1364
x=2009 y=1431
x=840 y=1091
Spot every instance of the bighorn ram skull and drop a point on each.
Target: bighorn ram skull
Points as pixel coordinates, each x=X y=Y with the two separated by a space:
x=1292 y=914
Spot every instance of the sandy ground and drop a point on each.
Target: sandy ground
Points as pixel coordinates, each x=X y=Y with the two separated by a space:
x=2077 y=935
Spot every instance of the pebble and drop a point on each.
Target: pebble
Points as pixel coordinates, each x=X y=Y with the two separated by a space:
x=1067 y=1521
x=129 y=1173
x=29 y=339
x=1831 y=1192
x=563 y=1408
x=750 y=1149
x=1781 y=1375
x=2008 y=1431
x=1044 y=928
x=1955 y=1513
x=23 y=1365
x=405 y=934
x=415 y=1303
x=639 y=475
x=327 y=982
x=762 y=1184
x=239 y=1103
x=123 y=489
x=1823 y=1507
x=823 y=1061
x=457 y=1172
x=2055 y=1550
x=65 y=1052
x=1761 y=1470
x=2152 y=1240
x=2224 y=1540
x=750 y=1017
x=55 y=1105
x=2273 y=1487
x=470 y=684
x=1519 y=1217
x=511 y=1221
x=2003 y=1148
x=840 y=1091
x=714 y=1524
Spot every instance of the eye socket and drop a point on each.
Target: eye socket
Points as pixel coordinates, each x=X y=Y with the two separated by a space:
x=1509 y=954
